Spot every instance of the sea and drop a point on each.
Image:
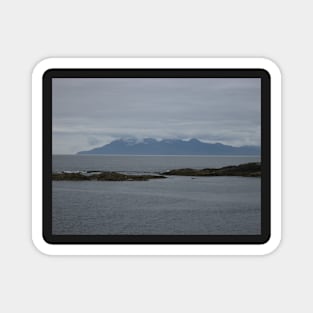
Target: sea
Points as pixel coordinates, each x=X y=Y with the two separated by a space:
x=176 y=205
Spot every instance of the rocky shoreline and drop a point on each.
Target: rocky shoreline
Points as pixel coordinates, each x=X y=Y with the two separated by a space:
x=103 y=176
x=243 y=170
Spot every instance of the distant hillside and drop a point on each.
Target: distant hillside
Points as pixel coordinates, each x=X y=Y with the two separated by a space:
x=151 y=146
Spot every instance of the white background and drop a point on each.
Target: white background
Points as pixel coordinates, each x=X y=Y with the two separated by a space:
x=33 y=30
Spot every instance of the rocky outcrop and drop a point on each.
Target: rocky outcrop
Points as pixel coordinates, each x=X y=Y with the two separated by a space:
x=103 y=176
x=245 y=170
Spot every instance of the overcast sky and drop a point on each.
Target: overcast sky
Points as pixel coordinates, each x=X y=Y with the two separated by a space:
x=91 y=112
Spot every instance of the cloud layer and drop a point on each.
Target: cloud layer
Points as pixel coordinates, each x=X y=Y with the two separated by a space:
x=88 y=113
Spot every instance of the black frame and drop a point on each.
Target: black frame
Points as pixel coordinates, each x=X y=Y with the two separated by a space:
x=157 y=239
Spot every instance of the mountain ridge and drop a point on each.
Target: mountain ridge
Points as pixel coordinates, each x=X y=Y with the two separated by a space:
x=151 y=146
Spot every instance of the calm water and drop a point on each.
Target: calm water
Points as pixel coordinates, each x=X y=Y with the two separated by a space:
x=175 y=205
x=130 y=163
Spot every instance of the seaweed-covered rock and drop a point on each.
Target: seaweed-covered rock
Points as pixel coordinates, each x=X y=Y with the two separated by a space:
x=103 y=176
x=69 y=176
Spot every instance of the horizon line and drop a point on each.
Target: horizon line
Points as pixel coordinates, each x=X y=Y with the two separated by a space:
x=194 y=155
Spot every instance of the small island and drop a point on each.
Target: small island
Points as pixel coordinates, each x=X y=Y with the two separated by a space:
x=103 y=176
x=243 y=170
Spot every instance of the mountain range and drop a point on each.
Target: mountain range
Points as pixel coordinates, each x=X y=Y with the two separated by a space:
x=150 y=146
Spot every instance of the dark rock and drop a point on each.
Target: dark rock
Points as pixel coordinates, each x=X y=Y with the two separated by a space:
x=103 y=176
x=246 y=170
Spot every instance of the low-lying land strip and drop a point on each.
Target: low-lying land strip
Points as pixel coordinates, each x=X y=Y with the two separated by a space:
x=103 y=176
x=244 y=170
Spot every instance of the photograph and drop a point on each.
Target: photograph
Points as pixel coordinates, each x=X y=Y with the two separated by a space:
x=156 y=156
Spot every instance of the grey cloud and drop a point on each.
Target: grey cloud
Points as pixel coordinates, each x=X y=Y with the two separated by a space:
x=93 y=112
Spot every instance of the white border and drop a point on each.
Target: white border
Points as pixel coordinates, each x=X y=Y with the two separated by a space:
x=149 y=249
